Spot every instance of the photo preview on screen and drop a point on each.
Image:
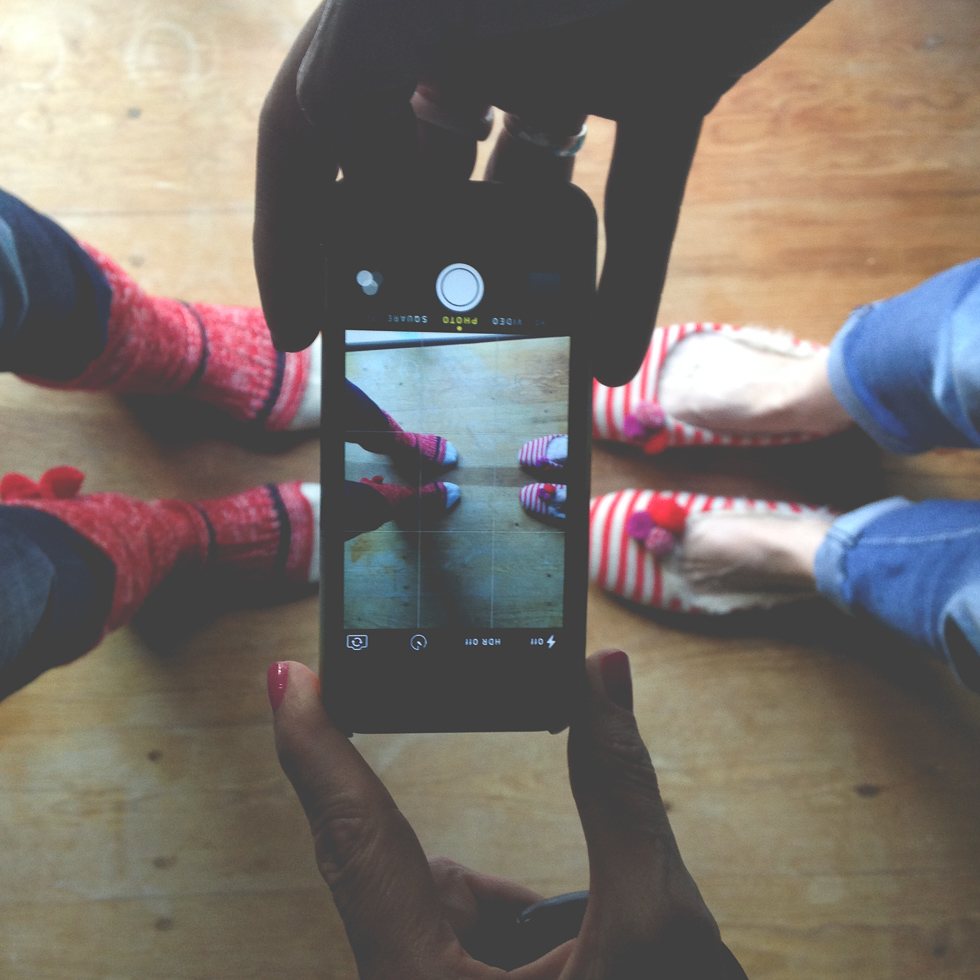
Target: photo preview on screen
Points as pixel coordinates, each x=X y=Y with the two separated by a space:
x=462 y=552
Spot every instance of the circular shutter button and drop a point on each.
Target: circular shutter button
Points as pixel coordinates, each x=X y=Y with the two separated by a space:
x=459 y=287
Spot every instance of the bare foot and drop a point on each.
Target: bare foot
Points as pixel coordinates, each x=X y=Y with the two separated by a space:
x=736 y=386
x=722 y=553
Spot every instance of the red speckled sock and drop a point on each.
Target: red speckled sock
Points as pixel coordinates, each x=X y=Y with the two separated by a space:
x=219 y=354
x=421 y=503
x=415 y=447
x=267 y=534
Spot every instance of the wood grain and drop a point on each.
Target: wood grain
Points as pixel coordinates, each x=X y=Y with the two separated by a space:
x=821 y=776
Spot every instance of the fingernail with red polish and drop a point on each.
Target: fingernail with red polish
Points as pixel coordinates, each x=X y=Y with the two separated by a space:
x=614 y=666
x=277 y=679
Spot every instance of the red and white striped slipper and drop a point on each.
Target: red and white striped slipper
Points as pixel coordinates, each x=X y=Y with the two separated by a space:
x=632 y=540
x=534 y=455
x=545 y=500
x=632 y=414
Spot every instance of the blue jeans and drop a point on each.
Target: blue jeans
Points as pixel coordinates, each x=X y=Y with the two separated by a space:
x=55 y=592
x=54 y=301
x=55 y=587
x=907 y=369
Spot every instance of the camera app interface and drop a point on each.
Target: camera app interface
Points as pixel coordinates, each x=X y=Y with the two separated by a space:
x=455 y=446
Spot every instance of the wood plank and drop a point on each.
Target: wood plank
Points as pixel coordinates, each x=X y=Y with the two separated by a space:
x=821 y=775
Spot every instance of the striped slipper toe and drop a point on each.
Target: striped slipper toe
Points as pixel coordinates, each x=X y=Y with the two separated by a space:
x=633 y=537
x=544 y=500
x=534 y=455
x=632 y=414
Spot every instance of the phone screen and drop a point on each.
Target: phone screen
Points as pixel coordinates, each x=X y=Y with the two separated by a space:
x=464 y=466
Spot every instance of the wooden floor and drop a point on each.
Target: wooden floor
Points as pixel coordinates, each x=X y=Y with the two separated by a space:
x=822 y=778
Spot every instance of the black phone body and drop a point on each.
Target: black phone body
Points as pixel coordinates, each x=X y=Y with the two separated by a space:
x=462 y=311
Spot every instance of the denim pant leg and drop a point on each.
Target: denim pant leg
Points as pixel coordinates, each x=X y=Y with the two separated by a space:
x=54 y=300
x=364 y=509
x=907 y=369
x=55 y=592
x=915 y=568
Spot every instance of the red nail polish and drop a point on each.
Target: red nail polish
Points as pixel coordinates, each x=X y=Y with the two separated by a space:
x=614 y=666
x=277 y=679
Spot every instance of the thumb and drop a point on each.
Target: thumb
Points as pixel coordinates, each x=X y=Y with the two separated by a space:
x=641 y=896
x=366 y=851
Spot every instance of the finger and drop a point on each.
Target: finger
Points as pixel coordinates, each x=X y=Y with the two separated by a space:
x=644 y=189
x=451 y=121
x=537 y=151
x=296 y=168
x=483 y=911
x=366 y=851
x=640 y=893
x=336 y=101
x=468 y=895
x=357 y=78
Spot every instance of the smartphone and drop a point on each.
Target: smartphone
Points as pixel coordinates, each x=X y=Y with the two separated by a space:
x=461 y=313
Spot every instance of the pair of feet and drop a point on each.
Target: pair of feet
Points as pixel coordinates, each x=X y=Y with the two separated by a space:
x=415 y=452
x=703 y=384
x=222 y=355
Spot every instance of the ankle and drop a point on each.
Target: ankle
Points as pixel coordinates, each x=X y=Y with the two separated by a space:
x=266 y=533
x=816 y=402
x=748 y=552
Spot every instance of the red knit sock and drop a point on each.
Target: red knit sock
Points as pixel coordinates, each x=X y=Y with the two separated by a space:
x=415 y=448
x=421 y=503
x=267 y=534
x=219 y=354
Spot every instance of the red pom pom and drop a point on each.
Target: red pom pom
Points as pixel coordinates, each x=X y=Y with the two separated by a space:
x=61 y=483
x=16 y=486
x=668 y=514
x=657 y=443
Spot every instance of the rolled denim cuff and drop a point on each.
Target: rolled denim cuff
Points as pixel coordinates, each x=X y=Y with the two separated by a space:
x=963 y=610
x=830 y=563
x=13 y=288
x=840 y=383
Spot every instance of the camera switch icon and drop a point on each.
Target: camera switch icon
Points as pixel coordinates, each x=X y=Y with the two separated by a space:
x=357 y=641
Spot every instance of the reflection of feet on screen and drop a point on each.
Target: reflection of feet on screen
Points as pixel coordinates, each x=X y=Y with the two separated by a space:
x=412 y=449
x=545 y=500
x=417 y=504
x=545 y=455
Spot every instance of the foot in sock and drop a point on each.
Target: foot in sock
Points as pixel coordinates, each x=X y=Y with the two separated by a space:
x=268 y=535
x=416 y=506
x=411 y=451
x=222 y=355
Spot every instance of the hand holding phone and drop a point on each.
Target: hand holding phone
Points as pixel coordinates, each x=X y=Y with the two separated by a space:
x=461 y=319
x=413 y=918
